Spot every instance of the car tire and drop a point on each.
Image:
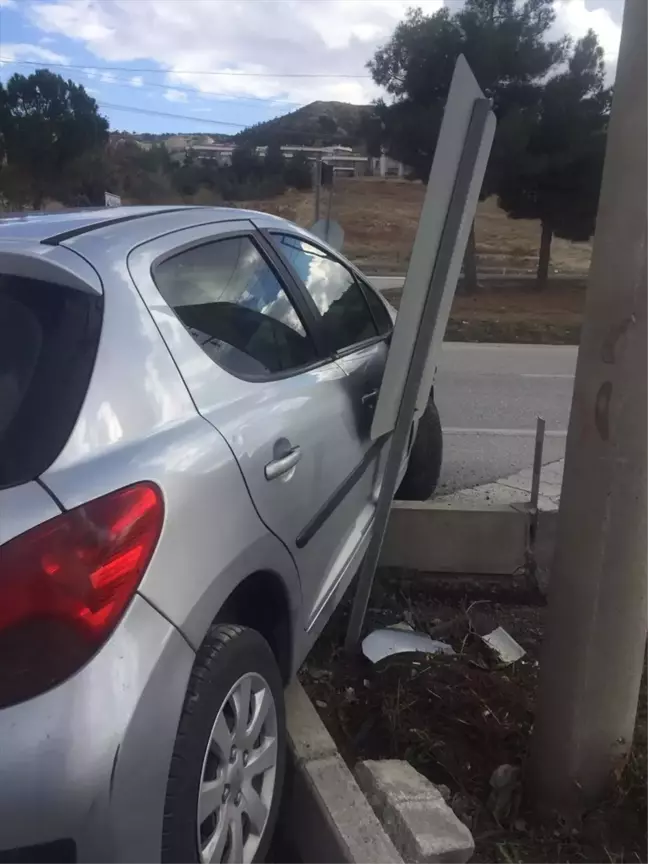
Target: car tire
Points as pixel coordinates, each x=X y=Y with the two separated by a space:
x=229 y=657
x=426 y=456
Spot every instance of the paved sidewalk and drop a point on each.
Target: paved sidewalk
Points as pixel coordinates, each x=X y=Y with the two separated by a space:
x=515 y=489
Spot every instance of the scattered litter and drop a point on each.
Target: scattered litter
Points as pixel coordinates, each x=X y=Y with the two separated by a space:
x=384 y=643
x=319 y=674
x=504 y=645
x=321 y=704
x=504 y=799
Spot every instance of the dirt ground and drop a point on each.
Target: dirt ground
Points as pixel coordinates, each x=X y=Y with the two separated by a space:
x=456 y=719
x=380 y=218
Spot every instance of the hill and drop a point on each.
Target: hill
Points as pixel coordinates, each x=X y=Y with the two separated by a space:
x=319 y=123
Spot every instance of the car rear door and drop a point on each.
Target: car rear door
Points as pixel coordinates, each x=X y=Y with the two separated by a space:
x=249 y=346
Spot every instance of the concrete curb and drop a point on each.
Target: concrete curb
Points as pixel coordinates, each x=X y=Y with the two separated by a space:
x=463 y=537
x=481 y=531
x=325 y=816
x=466 y=537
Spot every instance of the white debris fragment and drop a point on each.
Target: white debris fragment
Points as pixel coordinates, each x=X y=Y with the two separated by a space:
x=384 y=643
x=504 y=645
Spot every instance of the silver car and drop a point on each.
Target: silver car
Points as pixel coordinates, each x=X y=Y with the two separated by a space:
x=187 y=485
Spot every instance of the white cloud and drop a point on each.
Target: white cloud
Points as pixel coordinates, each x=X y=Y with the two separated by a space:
x=137 y=80
x=263 y=36
x=24 y=51
x=8 y=4
x=192 y=39
x=175 y=96
x=575 y=18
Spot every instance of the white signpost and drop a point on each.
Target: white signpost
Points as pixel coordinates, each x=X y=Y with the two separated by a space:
x=330 y=232
x=456 y=176
x=111 y=200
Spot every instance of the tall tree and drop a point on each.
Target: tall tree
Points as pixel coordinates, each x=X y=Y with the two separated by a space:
x=506 y=45
x=274 y=164
x=47 y=122
x=246 y=165
x=299 y=172
x=555 y=173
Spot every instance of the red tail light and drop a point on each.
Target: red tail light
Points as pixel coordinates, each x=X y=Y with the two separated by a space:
x=65 y=584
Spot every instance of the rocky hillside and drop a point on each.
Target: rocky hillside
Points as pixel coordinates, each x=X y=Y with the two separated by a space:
x=318 y=123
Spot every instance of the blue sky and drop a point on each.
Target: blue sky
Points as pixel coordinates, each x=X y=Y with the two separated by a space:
x=221 y=65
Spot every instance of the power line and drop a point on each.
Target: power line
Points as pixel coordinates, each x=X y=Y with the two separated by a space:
x=153 y=112
x=138 y=110
x=149 y=69
x=147 y=84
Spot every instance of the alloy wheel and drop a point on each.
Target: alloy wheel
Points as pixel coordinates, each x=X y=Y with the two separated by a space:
x=238 y=774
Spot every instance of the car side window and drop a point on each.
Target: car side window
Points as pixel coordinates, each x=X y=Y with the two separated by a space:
x=235 y=308
x=346 y=317
x=380 y=314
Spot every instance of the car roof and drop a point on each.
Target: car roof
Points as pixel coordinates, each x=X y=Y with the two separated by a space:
x=54 y=228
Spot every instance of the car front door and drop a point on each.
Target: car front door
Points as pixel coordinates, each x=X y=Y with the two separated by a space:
x=249 y=346
x=355 y=326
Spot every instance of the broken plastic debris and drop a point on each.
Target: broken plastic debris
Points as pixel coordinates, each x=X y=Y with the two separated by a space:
x=383 y=643
x=504 y=798
x=505 y=646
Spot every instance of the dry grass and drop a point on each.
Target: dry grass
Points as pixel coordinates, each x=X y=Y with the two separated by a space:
x=380 y=217
x=511 y=310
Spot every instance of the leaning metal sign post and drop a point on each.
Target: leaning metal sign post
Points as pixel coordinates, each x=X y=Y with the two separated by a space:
x=456 y=176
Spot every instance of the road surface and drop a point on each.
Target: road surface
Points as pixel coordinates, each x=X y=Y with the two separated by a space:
x=489 y=397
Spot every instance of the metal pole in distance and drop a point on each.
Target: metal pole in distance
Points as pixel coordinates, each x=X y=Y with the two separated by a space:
x=329 y=202
x=537 y=469
x=418 y=359
x=318 y=184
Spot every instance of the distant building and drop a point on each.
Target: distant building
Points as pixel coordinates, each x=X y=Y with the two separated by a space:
x=385 y=166
x=219 y=153
x=343 y=159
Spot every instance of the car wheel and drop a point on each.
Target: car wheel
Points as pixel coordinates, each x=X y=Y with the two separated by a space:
x=424 y=466
x=227 y=768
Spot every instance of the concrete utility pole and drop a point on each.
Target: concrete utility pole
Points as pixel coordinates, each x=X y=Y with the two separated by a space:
x=596 y=632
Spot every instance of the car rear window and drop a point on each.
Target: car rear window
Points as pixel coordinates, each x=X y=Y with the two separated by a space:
x=48 y=341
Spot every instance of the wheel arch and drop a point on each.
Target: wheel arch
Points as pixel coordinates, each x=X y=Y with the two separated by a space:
x=261 y=601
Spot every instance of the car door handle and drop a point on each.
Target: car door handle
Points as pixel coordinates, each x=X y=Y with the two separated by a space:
x=370 y=398
x=283 y=465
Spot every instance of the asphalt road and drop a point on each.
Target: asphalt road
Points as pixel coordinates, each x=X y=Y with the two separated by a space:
x=489 y=397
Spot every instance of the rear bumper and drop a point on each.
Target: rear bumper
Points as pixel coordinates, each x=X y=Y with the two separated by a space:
x=88 y=761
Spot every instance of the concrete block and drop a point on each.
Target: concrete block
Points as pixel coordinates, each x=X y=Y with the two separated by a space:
x=456 y=537
x=414 y=813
